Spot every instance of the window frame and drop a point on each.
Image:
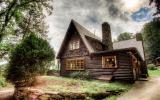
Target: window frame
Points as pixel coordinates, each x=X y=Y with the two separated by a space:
x=109 y=57
x=74 y=45
x=79 y=64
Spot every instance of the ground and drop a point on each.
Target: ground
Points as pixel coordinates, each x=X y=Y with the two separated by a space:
x=54 y=84
x=144 y=90
x=141 y=90
x=6 y=94
x=61 y=84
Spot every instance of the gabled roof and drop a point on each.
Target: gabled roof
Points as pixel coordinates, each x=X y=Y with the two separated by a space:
x=84 y=33
x=129 y=44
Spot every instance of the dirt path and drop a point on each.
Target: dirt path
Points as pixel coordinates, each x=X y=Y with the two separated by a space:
x=6 y=94
x=144 y=90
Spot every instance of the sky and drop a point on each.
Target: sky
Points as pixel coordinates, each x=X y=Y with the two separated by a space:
x=122 y=15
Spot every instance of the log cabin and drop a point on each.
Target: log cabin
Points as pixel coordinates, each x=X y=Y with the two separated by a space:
x=81 y=50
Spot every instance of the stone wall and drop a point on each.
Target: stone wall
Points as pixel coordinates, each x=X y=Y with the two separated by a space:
x=34 y=94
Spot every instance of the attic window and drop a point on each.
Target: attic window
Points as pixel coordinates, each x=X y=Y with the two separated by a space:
x=109 y=62
x=74 y=45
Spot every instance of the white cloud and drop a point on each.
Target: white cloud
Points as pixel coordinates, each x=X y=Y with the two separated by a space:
x=90 y=14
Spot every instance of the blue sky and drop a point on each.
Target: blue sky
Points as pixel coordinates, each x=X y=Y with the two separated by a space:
x=121 y=15
x=143 y=14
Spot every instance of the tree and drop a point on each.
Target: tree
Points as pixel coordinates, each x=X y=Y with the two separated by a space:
x=28 y=60
x=124 y=36
x=7 y=44
x=151 y=34
x=157 y=4
x=23 y=16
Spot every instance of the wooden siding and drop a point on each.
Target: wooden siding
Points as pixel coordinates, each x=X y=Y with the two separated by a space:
x=93 y=64
x=123 y=70
x=82 y=52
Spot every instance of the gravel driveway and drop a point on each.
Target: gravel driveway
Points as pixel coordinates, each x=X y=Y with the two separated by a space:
x=6 y=94
x=144 y=90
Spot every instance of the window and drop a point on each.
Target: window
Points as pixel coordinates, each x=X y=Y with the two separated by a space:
x=75 y=64
x=134 y=62
x=109 y=62
x=74 y=45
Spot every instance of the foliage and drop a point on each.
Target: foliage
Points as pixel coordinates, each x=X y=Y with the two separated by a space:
x=2 y=81
x=157 y=5
x=6 y=45
x=24 y=16
x=152 y=67
x=124 y=36
x=29 y=59
x=151 y=34
x=65 y=85
x=80 y=75
x=154 y=72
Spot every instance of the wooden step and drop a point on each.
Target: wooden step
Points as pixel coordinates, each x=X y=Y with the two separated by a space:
x=122 y=69
x=101 y=73
x=123 y=78
x=100 y=70
x=123 y=72
x=106 y=78
x=123 y=75
x=144 y=75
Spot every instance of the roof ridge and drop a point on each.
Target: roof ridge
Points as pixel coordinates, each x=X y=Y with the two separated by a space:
x=87 y=33
x=124 y=40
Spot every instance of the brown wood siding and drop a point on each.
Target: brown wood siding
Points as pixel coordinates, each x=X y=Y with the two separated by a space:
x=72 y=54
x=124 y=71
x=82 y=51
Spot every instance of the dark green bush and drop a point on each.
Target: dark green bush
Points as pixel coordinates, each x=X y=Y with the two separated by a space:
x=80 y=75
x=28 y=60
x=152 y=67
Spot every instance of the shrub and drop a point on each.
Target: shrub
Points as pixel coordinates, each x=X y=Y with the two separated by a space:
x=28 y=60
x=151 y=67
x=80 y=75
x=2 y=81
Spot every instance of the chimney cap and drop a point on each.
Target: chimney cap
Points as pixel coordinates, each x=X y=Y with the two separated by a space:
x=105 y=23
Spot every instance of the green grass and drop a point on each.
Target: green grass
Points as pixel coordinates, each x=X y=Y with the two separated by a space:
x=82 y=86
x=111 y=98
x=154 y=72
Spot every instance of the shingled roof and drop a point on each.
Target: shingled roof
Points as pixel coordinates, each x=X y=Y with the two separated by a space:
x=83 y=32
x=129 y=44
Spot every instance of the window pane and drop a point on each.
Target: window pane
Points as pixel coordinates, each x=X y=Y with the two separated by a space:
x=77 y=64
x=74 y=45
x=109 y=62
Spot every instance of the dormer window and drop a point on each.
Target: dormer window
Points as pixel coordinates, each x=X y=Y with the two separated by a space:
x=74 y=45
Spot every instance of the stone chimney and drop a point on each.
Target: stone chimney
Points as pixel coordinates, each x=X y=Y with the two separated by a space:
x=106 y=36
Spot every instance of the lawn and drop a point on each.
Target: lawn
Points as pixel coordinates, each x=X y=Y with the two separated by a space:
x=154 y=72
x=61 y=84
x=55 y=84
